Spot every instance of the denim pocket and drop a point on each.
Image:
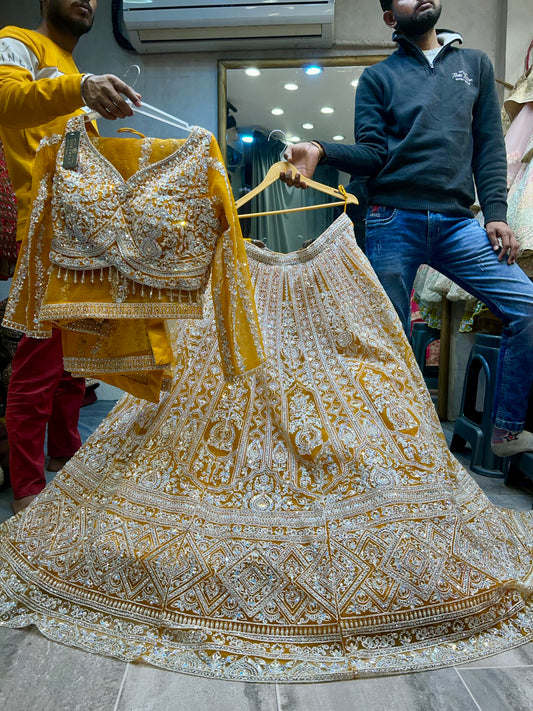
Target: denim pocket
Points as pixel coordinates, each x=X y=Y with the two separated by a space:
x=380 y=214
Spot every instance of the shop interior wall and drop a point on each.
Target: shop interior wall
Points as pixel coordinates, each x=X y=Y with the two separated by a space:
x=186 y=84
x=519 y=36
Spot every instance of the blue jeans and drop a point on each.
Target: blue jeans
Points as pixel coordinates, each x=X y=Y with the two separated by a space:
x=398 y=241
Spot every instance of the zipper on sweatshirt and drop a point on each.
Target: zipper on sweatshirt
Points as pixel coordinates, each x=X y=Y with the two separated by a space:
x=422 y=57
x=419 y=54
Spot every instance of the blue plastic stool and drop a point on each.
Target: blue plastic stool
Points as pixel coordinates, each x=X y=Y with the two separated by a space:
x=421 y=336
x=475 y=426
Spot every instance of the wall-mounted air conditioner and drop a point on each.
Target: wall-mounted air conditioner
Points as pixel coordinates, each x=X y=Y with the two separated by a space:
x=209 y=25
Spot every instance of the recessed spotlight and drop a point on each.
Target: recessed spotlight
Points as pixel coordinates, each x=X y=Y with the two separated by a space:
x=247 y=138
x=290 y=86
x=252 y=71
x=308 y=126
x=338 y=137
x=327 y=110
x=354 y=83
x=313 y=70
x=294 y=139
x=277 y=112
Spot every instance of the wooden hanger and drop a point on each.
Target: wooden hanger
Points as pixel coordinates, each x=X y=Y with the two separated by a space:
x=273 y=174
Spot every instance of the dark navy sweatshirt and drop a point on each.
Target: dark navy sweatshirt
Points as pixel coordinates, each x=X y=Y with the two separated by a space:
x=423 y=134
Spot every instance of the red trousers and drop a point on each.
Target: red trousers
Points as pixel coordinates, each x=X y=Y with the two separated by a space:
x=40 y=394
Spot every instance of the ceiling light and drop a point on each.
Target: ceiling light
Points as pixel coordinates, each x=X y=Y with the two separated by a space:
x=327 y=110
x=277 y=112
x=138 y=2
x=247 y=138
x=338 y=138
x=252 y=71
x=291 y=86
x=313 y=70
x=308 y=125
x=294 y=139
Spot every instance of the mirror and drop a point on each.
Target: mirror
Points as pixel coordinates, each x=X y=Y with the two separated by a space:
x=263 y=105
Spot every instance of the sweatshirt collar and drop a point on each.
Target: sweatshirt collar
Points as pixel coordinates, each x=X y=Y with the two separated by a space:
x=445 y=37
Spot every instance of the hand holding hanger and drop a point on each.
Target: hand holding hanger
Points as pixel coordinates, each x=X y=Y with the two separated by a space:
x=304 y=157
x=282 y=168
x=146 y=110
x=105 y=94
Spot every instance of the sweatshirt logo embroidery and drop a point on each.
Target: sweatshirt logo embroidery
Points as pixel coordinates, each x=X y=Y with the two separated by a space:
x=462 y=76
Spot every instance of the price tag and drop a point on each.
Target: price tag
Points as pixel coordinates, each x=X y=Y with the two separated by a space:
x=72 y=146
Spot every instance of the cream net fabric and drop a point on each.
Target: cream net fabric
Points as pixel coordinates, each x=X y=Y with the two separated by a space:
x=306 y=523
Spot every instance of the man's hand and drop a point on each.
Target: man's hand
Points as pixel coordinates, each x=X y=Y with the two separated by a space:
x=503 y=240
x=304 y=157
x=105 y=93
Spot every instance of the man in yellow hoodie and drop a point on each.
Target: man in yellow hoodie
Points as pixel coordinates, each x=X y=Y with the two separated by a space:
x=40 y=89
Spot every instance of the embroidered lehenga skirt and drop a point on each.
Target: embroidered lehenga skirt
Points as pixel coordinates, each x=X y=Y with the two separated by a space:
x=304 y=523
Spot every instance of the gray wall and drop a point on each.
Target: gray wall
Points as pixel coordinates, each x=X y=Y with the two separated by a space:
x=186 y=84
x=519 y=36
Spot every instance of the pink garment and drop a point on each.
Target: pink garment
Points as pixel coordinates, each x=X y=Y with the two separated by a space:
x=519 y=144
x=8 y=220
x=516 y=141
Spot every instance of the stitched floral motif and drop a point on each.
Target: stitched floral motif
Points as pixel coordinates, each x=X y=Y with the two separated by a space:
x=129 y=234
x=305 y=523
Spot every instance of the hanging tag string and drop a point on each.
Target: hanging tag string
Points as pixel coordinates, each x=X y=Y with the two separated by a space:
x=344 y=194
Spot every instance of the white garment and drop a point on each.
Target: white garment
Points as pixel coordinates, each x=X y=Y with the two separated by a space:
x=431 y=54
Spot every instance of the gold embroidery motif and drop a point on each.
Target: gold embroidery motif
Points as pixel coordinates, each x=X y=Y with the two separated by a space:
x=305 y=523
x=132 y=235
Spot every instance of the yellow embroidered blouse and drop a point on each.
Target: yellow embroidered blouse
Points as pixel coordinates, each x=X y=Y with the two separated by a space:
x=121 y=240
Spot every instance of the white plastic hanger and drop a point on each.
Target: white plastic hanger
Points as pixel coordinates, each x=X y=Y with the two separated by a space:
x=273 y=174
x=152 y=112
x=146 y=109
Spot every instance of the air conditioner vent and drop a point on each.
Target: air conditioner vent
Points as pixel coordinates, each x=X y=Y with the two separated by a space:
x=211 y=25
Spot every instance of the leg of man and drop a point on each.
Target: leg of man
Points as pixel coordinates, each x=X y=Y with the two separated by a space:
x=396 y=246
x=63 y=436
x=460 y=249
x=37 y=370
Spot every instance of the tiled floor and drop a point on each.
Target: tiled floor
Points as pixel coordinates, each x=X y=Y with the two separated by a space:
x=36 y=674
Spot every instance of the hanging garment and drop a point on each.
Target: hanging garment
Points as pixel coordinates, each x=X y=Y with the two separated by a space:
x=8 y=220
x=429 y=288
x=124 y=233
x=305 y=523
x=519 y=142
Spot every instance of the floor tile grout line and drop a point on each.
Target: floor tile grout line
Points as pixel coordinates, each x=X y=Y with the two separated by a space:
x=278 y=700
x=115 y=708
x=466 y=687
x=504 y=667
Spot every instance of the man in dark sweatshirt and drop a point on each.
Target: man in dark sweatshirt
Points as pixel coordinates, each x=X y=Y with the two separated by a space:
x=427 y=129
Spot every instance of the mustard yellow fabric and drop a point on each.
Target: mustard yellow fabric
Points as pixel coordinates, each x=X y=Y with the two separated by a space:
x=39 y=91
x=307 y=523
x=124 y=240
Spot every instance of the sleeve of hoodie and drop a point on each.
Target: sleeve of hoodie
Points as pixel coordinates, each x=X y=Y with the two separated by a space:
x=367 y=156
x=489 y=162
x=26 y=102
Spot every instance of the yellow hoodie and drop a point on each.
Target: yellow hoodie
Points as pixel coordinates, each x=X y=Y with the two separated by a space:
x=39 y=92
